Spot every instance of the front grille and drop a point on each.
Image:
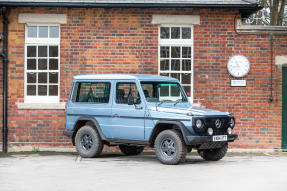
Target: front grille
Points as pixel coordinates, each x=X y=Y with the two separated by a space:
x=210 y=122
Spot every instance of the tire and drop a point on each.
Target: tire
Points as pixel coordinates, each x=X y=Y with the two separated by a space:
x=170 y=148
x=88 y=142
x=131 y=150
x=213 y=154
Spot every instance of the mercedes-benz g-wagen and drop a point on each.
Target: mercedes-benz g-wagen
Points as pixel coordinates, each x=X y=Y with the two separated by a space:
x=134 y=111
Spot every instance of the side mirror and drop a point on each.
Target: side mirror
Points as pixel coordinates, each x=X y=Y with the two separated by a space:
x=131 y=100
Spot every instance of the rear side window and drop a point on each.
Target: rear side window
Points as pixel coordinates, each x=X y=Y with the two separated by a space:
x=92 y=92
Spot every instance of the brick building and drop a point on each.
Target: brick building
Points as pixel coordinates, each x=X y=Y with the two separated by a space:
x=51 y=41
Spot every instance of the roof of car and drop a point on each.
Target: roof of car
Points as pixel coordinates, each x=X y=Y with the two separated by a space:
x=122 y=77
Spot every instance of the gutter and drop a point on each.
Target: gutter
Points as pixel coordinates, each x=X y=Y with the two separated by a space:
x=4 y=55
x=244 y=9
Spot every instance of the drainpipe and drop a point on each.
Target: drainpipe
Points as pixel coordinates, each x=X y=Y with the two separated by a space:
x=271 y=63
x=4 y=55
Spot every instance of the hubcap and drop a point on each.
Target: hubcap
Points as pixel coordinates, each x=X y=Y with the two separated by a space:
x=86 y=142
x=168 y=148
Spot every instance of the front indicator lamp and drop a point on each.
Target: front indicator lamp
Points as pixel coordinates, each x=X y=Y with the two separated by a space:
x=229 y=131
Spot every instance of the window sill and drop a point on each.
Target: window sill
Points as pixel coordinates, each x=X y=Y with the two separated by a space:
x=54 y=106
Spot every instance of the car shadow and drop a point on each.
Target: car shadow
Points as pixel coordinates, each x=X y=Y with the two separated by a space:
x=149 y=157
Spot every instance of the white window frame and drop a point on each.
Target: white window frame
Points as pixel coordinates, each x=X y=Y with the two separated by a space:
x=181 y=43
x=41 y=42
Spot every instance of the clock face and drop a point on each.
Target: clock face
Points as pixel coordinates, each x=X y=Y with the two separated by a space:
x=238 y=66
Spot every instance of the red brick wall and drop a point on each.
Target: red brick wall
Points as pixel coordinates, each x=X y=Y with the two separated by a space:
x=125 y=41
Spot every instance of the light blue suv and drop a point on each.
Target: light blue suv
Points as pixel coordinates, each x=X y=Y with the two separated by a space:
x=133 y=111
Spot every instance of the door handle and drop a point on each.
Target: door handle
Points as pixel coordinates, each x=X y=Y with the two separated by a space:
x=138 y=107
x=115 y=116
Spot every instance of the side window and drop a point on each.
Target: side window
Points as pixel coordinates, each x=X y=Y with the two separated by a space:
x=126 y=89
x=92 y=92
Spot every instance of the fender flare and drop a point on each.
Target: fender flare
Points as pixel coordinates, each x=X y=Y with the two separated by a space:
x=185 y=132
x=92 y=122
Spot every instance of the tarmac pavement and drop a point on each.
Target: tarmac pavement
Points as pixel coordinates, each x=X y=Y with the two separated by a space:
x=113 y=171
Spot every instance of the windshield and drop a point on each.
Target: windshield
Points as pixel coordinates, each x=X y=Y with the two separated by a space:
x=163 y=92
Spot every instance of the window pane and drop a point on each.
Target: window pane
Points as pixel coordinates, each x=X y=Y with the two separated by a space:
x=175 y=65
x=185 y=78
x=53 y=64
x=53 y=90
x=42 y=51
x=177 y=76
x=42 y=90
x=175 y=52
x=31 y=64
x=42 y=77
x=124 y=90
x=175 y=32
x=186 y=52
x=186 y=65
x=164 y=32
x=186 y=33
x=31 y=90
x=187 y=90
x=175 y=91
x=164 y=51
x=31 y=51
x=53 y=51
x=53 y=77
x=164 y=65
x=43 y=31
x=31 y=77
x=54 y=32
x=42 y=64
x=32 y=31
x=164 y=91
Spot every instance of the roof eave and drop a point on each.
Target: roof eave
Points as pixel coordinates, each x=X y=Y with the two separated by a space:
x=244 y=9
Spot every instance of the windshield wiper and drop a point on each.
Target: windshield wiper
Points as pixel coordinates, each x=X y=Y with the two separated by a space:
x=177 y=101
x=164 y=101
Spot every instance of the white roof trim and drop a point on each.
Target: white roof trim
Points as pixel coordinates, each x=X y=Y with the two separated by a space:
x=42 y=18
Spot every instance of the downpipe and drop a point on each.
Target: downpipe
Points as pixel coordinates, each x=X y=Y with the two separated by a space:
x=271 y=69
x=4 y=55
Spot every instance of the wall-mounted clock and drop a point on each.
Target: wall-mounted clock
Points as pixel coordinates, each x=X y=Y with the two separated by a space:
x=238 y=66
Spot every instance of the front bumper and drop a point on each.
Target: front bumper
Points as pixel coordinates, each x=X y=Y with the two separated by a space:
x=194 y=140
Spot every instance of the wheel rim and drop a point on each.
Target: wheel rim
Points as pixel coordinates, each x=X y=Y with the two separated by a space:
x=86 y=142
x=168 y=148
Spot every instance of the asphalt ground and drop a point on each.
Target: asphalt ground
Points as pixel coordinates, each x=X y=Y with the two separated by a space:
x=114 y=171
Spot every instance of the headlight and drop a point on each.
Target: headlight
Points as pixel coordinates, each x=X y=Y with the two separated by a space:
x=210 y=131
x=229 y=131
x=232 y=122
x=198 y=123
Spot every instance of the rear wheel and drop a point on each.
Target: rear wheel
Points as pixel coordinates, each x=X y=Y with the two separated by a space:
x=88 y=142
x=131 y=150
x=213 y=154
x=169 y=147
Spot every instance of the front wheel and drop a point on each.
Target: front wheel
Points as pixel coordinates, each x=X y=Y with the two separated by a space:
x=169 y=147
x=88 y=142
x=213 y=154
x=131 y=150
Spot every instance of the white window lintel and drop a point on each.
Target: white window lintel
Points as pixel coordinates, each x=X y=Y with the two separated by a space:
x=176 y=19
x=42 y=18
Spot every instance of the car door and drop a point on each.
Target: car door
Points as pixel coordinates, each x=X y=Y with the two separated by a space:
x=127 y=120
x=91 y=100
